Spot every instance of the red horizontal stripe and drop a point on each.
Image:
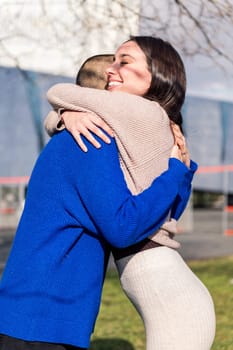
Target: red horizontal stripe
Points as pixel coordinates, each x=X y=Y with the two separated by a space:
x=14 y=179
x=228 y=232
x=215 y=169
x=229 y=209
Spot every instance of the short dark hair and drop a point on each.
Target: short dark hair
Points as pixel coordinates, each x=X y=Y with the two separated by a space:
x=92 y=72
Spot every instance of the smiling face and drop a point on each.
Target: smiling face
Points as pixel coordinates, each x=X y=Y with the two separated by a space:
x=129 y=71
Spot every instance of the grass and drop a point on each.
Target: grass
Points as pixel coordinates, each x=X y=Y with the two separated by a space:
x=120 y=328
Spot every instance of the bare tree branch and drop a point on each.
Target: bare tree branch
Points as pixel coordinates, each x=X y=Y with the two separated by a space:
x=70 y=27
x=203 y=31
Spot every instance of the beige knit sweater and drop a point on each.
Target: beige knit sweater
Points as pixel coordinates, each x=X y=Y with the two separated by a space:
x=142 y=133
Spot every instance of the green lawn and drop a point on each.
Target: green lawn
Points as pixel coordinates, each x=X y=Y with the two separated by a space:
x=120 y=328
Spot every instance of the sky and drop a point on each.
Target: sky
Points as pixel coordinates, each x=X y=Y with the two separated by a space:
x=204 y=76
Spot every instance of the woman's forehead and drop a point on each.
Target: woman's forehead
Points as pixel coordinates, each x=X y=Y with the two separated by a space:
x=129 y=48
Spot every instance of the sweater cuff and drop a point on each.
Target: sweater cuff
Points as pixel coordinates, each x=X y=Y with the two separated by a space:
x=177 y=170
x=191 y=172
x=178 y=165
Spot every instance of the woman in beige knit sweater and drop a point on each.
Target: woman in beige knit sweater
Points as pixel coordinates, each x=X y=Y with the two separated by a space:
x=175 y=306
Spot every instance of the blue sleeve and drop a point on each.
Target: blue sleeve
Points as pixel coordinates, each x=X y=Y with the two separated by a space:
x=184 y=193
x=122 y=218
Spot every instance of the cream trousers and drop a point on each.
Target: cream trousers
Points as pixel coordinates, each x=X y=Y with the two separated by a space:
x=176 y=308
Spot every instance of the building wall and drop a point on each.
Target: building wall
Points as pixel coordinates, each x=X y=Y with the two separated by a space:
x=209 y=127
x=23 y=107
x=50 y=42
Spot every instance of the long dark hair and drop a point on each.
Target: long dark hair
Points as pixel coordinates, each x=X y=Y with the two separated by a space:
x=168 y=84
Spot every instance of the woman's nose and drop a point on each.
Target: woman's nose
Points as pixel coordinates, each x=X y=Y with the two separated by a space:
x=111 y=69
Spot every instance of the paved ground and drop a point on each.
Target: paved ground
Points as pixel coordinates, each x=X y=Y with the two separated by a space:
x=206 y=240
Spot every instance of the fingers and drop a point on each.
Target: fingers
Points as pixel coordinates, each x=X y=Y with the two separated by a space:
x=184 y=156
x=175 y=153
x=178 y=136
x=97 y=129
x=80 y=142
x=94 y=125
x=176 y=130
x=103 y=125
x=84 y=131
x=86 y=124
x=182 y=153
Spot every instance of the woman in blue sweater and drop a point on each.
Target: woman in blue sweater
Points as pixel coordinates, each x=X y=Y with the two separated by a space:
x=77 y=206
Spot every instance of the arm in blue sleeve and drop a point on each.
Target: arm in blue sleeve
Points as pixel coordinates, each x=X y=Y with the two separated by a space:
x=184 y=193
x=122 y=218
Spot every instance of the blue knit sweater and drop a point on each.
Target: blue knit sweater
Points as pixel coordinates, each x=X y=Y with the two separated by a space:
x=77 y=203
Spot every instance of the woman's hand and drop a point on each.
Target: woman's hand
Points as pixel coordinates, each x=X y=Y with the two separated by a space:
x=180 y=150
x=86 y=123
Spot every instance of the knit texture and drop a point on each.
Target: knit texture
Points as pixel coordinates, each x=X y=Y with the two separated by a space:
x=76 y=202
x=173 y=303
x=142 y=132
x=176 y=308
x=141 y=127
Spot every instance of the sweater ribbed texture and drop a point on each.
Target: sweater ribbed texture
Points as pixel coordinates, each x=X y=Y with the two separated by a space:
x=51 y=287
x=142 y=128
x=176 y=308
x=142 y=132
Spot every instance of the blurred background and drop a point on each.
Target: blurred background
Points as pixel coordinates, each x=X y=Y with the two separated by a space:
x=43 y=42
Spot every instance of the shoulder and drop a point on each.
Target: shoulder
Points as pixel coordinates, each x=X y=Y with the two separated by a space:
x=64 y=146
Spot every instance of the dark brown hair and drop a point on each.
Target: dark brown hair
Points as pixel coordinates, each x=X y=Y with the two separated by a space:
x=168 y=85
